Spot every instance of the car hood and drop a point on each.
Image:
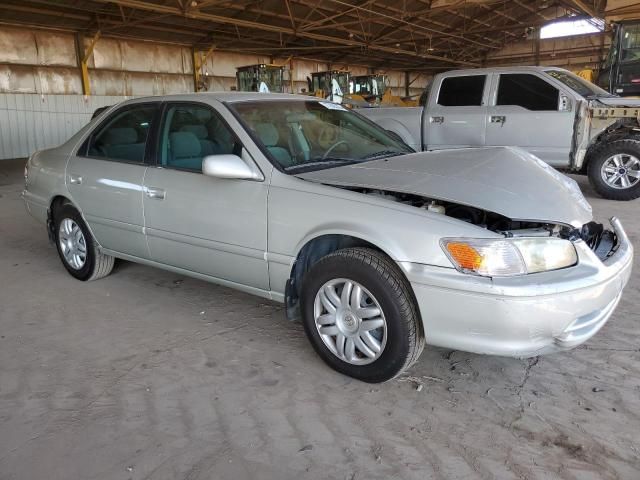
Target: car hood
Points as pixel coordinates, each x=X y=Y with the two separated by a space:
x=619 y=101
x=503 y=180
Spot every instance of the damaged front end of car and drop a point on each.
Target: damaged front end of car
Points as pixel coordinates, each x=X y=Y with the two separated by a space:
x=515 y=264
x=601 y=240
x=525 y=289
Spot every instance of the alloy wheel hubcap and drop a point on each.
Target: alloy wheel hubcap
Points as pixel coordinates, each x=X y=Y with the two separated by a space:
x=72 y=244
x=350 y=321
x=621 y=171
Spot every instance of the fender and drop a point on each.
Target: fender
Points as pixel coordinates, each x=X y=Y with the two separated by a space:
x=396 y=127
x=308 y=252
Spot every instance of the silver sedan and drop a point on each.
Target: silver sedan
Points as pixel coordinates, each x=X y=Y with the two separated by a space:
x=377 y=249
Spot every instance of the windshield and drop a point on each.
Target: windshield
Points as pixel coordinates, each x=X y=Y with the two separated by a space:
x=368 y=85
x=260 y=78
x=302 y=136
x=630 y=43
x=578 y=84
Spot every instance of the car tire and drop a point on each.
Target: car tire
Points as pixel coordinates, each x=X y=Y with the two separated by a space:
x=377 y=284
x=602 y=165
x=77 y=248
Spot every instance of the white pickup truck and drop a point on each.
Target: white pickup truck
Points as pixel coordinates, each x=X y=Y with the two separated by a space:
x=564 y=120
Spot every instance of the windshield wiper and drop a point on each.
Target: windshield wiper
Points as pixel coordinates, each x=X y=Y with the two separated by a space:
x=325 y=161
x=382 y=153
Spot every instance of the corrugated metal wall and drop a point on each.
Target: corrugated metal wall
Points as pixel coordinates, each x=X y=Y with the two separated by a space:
x=121 y=67
x=40 y=61
x=30 y=122
x=36 y=61
x=41 y=101
x=43 y=61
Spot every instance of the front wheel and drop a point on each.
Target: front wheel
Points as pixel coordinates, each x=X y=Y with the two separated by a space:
x=614 y=170
x=360 y=315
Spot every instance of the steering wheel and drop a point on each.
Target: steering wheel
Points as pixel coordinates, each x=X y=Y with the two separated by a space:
x=340 y=142
x=329 y=139
x=328 y=136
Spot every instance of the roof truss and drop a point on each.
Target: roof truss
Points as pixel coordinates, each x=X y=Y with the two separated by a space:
x=425 y=35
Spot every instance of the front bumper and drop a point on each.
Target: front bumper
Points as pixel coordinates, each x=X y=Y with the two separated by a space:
x=522 y=316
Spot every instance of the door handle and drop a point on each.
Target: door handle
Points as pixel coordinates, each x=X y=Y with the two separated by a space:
x=75 y=179
x=437 y=119
x=498 y=119
x=153 y=192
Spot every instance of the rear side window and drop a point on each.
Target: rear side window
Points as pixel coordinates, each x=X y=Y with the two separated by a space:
x=124 y=136
x=462 y=91
x=527 y=91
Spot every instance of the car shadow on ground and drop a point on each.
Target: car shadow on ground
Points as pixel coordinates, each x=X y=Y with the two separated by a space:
x=209 y=374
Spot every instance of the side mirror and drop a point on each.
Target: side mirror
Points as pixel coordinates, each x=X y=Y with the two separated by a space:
x=564 y=103
x=228 y=166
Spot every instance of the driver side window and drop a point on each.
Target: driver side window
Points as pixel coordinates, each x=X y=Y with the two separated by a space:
x=190 y=133
x=527 y=91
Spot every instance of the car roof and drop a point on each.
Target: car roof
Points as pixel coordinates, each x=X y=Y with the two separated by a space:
x=230 y=97
x=527 y=68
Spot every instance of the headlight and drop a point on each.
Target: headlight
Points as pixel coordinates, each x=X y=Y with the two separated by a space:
x=507 y=257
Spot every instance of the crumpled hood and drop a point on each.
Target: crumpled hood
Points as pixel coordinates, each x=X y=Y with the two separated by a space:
x=619 y=101
x=503 y=180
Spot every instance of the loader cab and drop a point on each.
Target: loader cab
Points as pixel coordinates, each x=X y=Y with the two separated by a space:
x=260 y=78
x=369 y=87
x=331 y=85
x=620 y=71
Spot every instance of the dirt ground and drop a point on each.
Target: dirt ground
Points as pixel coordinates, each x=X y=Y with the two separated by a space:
x=149 y=375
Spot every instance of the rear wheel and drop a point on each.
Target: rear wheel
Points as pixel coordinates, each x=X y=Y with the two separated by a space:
x=360 y=315
x=77 y=249
x=614 y=170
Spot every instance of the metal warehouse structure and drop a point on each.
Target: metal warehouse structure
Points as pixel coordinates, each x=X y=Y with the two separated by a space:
x=59 y=60
x=425 y=35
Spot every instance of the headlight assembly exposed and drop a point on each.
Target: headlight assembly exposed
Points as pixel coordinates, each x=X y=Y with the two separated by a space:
x=508 y=257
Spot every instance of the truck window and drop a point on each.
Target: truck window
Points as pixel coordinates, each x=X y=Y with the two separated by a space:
x=462 y=91
x=527 y=91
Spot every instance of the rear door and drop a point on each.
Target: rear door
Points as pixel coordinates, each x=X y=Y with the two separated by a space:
x=105 y=178
x=457 y=112
x=528 y=111
x=212 y=226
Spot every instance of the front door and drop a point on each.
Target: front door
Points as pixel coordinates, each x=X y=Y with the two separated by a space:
x=216 y=227
x=456 y=116
x=529 y=112
x=105 y=178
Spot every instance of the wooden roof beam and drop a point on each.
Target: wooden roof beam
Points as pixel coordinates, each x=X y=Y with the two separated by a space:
x=584 y=7
x=144 y=5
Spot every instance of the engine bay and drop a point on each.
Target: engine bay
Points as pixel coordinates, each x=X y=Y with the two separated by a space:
x=476 y=216
x=602 y=241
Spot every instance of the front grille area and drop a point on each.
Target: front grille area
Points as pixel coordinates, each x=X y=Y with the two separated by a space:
x=603 y=242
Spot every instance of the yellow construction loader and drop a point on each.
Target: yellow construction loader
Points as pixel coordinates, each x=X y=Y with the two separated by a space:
x=261 y=78
x=374 y=89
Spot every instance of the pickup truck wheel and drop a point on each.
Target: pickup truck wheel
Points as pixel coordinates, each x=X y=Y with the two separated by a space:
x=360 y=315
x=77 y=249
x=614 y=170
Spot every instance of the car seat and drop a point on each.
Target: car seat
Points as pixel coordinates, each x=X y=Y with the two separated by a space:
x=269 y=136
x=207 y=146
x=184 y=151
x=122 y=144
